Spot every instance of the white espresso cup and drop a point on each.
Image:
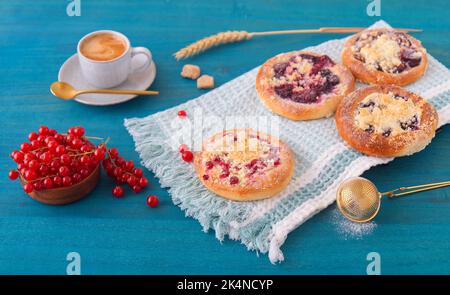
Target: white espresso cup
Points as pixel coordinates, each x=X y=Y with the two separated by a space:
x=111 y=73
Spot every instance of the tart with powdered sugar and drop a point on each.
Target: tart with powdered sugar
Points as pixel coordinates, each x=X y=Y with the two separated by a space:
x=302 y=85
x=384 y=56
x=244 y=165
x=386 y=121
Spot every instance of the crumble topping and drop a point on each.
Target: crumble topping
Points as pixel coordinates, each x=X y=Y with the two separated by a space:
x=390 y=52
x=237 y=159
x=387 y=114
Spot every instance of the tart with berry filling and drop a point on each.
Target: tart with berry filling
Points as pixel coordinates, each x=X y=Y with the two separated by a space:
x=302 y=85
x=385 y=56
x=244 y=165
x=386 y=121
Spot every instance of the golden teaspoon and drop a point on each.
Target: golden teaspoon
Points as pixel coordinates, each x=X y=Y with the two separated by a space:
x=66 y=91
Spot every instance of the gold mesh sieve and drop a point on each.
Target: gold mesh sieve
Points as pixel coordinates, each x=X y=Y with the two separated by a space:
x=359 y=200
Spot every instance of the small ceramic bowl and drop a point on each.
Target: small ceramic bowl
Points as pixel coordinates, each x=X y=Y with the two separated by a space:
x=67 y=195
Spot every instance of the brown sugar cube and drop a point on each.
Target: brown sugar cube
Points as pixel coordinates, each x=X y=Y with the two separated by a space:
x=205 y=82
x=190 y=71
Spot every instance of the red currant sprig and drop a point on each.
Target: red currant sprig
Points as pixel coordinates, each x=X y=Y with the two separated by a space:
x=51 y=160
x=123 y=172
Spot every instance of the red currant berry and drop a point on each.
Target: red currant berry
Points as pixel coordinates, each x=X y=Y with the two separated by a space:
x=152 y=201
x=234 y=180
x=59 y=138
x=124 y=178
x=60 y=149
x=143 y=181
x=57 y=181
x=77 y=143
x=85 y=148
x=120 y=161
x=43 y=130
x=85 y=160
x=28 y=188
x=22 y=171
x=67 y=181
x=46 y=157
x=52 y=132
x=76 y=177
x=70 y=138
x=182 y=148
x=182 y=113
x=78 y=131
x=132 y=181
x=129 y=165
x=35 y=144
x=38 y=185
x=138 y=172
x=118 y=191
x=187 y=156
x=13 y=174
x=25 y=147
x=18 y=157
x=65 y=159
x=56 y=163
x=63 y=171
x=113 y=153
x=34 y=165
x=41 y=139
x=32 y=136
x=43 y=169
x=137 y=189
x=52 y=145
x=99 y=154
x=117 y=172
x=30 y=175
x=49 y=139
x=84 y=173
x=48 y=183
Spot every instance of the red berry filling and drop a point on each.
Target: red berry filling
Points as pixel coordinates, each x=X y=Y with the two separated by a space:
x=305 y=87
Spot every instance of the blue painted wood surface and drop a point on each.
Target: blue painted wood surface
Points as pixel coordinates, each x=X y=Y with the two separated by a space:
x=125 y=236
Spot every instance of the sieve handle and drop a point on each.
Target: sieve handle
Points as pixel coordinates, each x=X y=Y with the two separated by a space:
x=407 y=190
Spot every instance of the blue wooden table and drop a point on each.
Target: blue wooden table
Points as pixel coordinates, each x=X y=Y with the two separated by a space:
x=116 y=236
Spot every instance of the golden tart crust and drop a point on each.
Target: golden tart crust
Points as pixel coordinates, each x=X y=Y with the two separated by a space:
x=244 y=165
x=384 y=56
x=302 y=85
x=386 y=121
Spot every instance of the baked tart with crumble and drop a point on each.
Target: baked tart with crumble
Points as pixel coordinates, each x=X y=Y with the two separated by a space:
x=244 y=165
x=302 y=85
x=386 y=121
x=385 y=56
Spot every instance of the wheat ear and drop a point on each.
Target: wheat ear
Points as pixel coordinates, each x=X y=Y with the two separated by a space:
x=211 y=41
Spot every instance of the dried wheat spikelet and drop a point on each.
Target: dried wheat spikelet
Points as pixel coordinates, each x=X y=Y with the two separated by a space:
x=236 y=36
x=212 y=41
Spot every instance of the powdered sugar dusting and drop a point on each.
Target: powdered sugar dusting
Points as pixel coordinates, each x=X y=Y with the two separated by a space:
x=352 y=230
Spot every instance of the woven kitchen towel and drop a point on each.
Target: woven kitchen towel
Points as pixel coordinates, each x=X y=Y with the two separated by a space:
x=322 y=158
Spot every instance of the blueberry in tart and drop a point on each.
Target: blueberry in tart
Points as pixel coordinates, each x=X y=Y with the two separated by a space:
x=386 y=121
x=302 y=85
x=385 y=56
x=244 y=165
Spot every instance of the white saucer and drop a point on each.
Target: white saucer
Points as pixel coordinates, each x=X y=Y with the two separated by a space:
x=70 y=72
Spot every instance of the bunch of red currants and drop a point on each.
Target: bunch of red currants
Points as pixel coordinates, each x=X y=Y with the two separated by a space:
x=52 y=160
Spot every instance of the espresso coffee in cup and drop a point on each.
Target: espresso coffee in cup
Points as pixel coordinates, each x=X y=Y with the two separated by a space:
x=103 y=46
x=106 y=57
